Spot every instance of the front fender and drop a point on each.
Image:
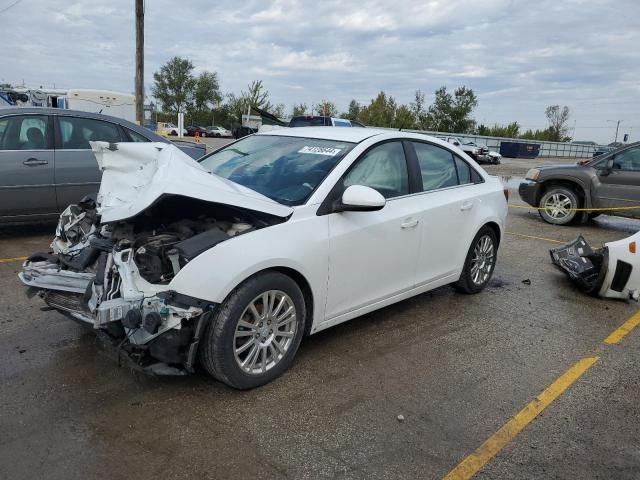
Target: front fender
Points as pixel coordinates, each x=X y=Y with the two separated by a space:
x=300 y=244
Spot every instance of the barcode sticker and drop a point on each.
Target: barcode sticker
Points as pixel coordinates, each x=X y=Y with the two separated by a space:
x=327 y=151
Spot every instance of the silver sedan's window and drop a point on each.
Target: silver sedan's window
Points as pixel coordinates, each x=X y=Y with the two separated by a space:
x=285 y=169
x=28 y=132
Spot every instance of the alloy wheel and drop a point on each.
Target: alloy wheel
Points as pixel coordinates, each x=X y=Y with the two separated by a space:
x=265 y=332
x=558 y=206
x=483 y=260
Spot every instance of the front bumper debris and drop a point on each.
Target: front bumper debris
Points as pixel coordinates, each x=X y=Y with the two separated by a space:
x=612 y=271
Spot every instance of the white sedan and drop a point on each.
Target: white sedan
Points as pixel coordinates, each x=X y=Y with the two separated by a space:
x=215 y=131
x=279 y=235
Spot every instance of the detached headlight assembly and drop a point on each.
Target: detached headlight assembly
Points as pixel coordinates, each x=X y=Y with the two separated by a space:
x=533 y=174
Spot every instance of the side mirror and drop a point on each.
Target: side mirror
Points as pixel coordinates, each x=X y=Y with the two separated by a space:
x=607 y=168
x=457 y=144
x=358 y=198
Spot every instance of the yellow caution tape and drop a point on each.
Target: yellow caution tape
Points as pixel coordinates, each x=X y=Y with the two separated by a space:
x=609 y=209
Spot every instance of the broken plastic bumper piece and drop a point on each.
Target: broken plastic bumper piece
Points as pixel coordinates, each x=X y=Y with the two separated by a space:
x=612 y=271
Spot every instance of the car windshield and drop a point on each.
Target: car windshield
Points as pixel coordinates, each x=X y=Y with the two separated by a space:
x=285 y=169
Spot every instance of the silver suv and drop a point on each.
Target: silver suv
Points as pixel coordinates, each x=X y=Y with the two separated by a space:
x=46 y=162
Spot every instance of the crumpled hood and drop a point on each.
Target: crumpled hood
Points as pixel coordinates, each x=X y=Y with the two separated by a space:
x=136 y=175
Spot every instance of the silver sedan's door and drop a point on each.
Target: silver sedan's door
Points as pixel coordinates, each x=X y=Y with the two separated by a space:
x=77 y=171
x=26 y=167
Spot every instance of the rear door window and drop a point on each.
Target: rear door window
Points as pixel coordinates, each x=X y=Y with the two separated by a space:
x=76 y=132
x=135 y=137
x=24 y=132
x=437 y=166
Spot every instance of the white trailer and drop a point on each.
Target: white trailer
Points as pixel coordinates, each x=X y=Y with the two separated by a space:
x=116 y=104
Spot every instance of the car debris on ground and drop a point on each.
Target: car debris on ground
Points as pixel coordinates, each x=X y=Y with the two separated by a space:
x=612 y=271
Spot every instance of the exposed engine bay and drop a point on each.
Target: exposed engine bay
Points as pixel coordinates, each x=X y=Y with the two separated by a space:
x=114 y=256
x=114 y=276
x=612 y=271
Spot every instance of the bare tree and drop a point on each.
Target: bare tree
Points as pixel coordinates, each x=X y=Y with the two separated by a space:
x=558 y=119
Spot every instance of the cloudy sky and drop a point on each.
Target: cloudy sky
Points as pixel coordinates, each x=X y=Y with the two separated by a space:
x=518 y=56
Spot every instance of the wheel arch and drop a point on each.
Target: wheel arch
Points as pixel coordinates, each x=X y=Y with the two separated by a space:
x=496 y=229
x=302 y=283
x=573 y=184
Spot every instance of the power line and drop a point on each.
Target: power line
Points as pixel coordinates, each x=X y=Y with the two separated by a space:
x=12 y=5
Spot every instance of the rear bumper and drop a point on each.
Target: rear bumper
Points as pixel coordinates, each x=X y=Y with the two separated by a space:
x=529 y=191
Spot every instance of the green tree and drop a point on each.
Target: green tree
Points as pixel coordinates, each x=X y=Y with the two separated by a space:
x=417 y=107
x=299 y=109
x=405 y=118
x=452 y=113
x=558 y=119
x=327 y=108
x=206 y=94
x=278 y=110
x=174 y=85
x=257 y=96
x=236 y=106
x=512 y=130
x=353 y=113
x=380 y=112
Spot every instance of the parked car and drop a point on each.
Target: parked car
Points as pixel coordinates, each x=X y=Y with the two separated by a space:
x=480 y=153
x=322 y=121
x=216 y=131
x=601 y=150
x=46 y=161
x=193 y=129
x=243 y=131
x=608 y=181
x=168 y=128
x=274 y=237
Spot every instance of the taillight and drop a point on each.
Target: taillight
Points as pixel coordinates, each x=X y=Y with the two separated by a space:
x=506 y=194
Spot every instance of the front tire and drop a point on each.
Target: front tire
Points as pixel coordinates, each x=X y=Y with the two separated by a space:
x=480 y=262
x=256 y=332
x=558 y=205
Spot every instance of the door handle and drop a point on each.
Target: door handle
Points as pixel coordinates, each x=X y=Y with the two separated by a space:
x=466 y=206
x=409 y=223
x=32 y=162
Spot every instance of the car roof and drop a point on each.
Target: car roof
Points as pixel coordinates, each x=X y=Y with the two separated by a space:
x=342 y=134
x=79 y=113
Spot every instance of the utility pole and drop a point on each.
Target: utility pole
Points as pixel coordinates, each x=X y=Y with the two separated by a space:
x=140 y=61
x=618 y=122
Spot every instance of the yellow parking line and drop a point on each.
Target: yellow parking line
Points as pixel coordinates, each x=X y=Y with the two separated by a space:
x=15 y=259
x=534 y=237
x=496 y=442
x=619 y=333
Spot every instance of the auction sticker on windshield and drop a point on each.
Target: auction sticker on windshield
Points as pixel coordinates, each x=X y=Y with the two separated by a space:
x=327 y=151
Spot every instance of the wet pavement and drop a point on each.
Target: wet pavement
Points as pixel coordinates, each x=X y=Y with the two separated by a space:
x=456 y=367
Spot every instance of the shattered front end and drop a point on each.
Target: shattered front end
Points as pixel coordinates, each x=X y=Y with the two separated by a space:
x=612 y=271
x=114 y=257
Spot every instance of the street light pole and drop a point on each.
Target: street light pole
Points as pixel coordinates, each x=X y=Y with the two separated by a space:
x=140 y=61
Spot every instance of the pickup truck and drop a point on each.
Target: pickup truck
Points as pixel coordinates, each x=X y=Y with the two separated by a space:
x=480 y=153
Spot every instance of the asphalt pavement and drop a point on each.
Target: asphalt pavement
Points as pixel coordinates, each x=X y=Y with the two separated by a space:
x=457 y=368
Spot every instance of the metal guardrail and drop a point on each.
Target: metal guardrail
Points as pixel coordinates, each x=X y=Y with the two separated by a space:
x=547 y=149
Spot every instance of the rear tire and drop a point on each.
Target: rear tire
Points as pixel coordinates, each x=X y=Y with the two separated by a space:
x=246 y=344
x=559 y=201
x=480 y=262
